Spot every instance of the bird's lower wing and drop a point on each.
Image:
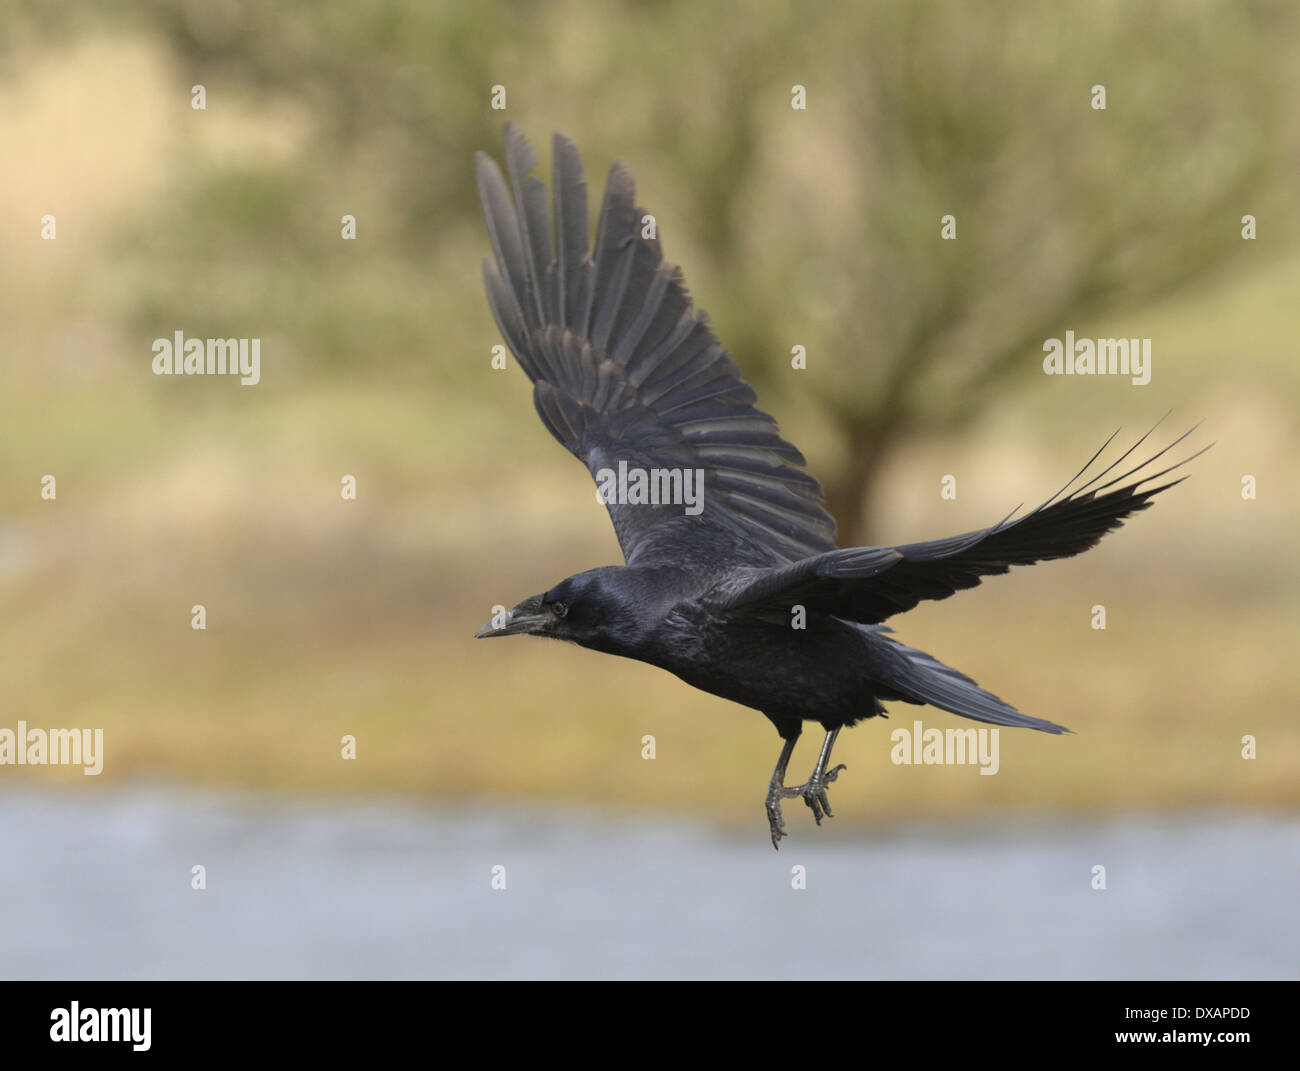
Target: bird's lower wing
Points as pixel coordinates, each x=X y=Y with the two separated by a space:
x=871 y=584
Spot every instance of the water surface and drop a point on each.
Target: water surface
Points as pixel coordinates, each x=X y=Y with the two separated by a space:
x=98 y=885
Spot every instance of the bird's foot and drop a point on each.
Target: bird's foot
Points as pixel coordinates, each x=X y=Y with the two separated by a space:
x=814 y=793
x=775 y=821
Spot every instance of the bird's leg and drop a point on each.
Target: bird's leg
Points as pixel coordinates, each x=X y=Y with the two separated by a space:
x=814 y=792
x=776 y=792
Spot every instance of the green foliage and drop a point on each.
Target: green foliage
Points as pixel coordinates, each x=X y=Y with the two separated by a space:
x=817 y=227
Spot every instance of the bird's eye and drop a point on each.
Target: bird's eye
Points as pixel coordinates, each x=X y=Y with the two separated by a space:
x=559 y=609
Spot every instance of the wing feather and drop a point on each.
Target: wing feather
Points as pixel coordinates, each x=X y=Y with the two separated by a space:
x=871 y=584
x=625 y=369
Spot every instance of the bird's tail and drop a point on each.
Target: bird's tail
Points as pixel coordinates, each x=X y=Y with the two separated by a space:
x=921 y=678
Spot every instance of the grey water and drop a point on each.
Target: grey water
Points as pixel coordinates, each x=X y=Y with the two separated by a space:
x=99 y=885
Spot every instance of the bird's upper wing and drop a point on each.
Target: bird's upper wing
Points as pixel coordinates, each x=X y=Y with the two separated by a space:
x=870 y=584
x=625 y=369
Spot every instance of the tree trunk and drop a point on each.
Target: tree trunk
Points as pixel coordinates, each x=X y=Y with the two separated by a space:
x=871 y=439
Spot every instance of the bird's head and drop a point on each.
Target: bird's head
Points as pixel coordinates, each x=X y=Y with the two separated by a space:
x=579 y=609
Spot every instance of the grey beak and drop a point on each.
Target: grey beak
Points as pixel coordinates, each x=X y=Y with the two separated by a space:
x=525 y=617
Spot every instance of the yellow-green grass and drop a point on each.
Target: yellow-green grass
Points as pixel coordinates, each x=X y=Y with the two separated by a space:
x=328 y=617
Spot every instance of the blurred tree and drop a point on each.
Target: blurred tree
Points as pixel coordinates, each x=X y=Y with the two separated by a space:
x=1064 y=212
x=820 y=227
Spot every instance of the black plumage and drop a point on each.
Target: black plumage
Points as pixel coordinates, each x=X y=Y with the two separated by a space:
x=627 y=372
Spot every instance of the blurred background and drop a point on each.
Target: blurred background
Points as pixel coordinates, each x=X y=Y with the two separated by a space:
x=816 y=227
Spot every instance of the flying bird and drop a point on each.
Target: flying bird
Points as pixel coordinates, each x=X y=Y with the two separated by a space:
x=725 y=538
